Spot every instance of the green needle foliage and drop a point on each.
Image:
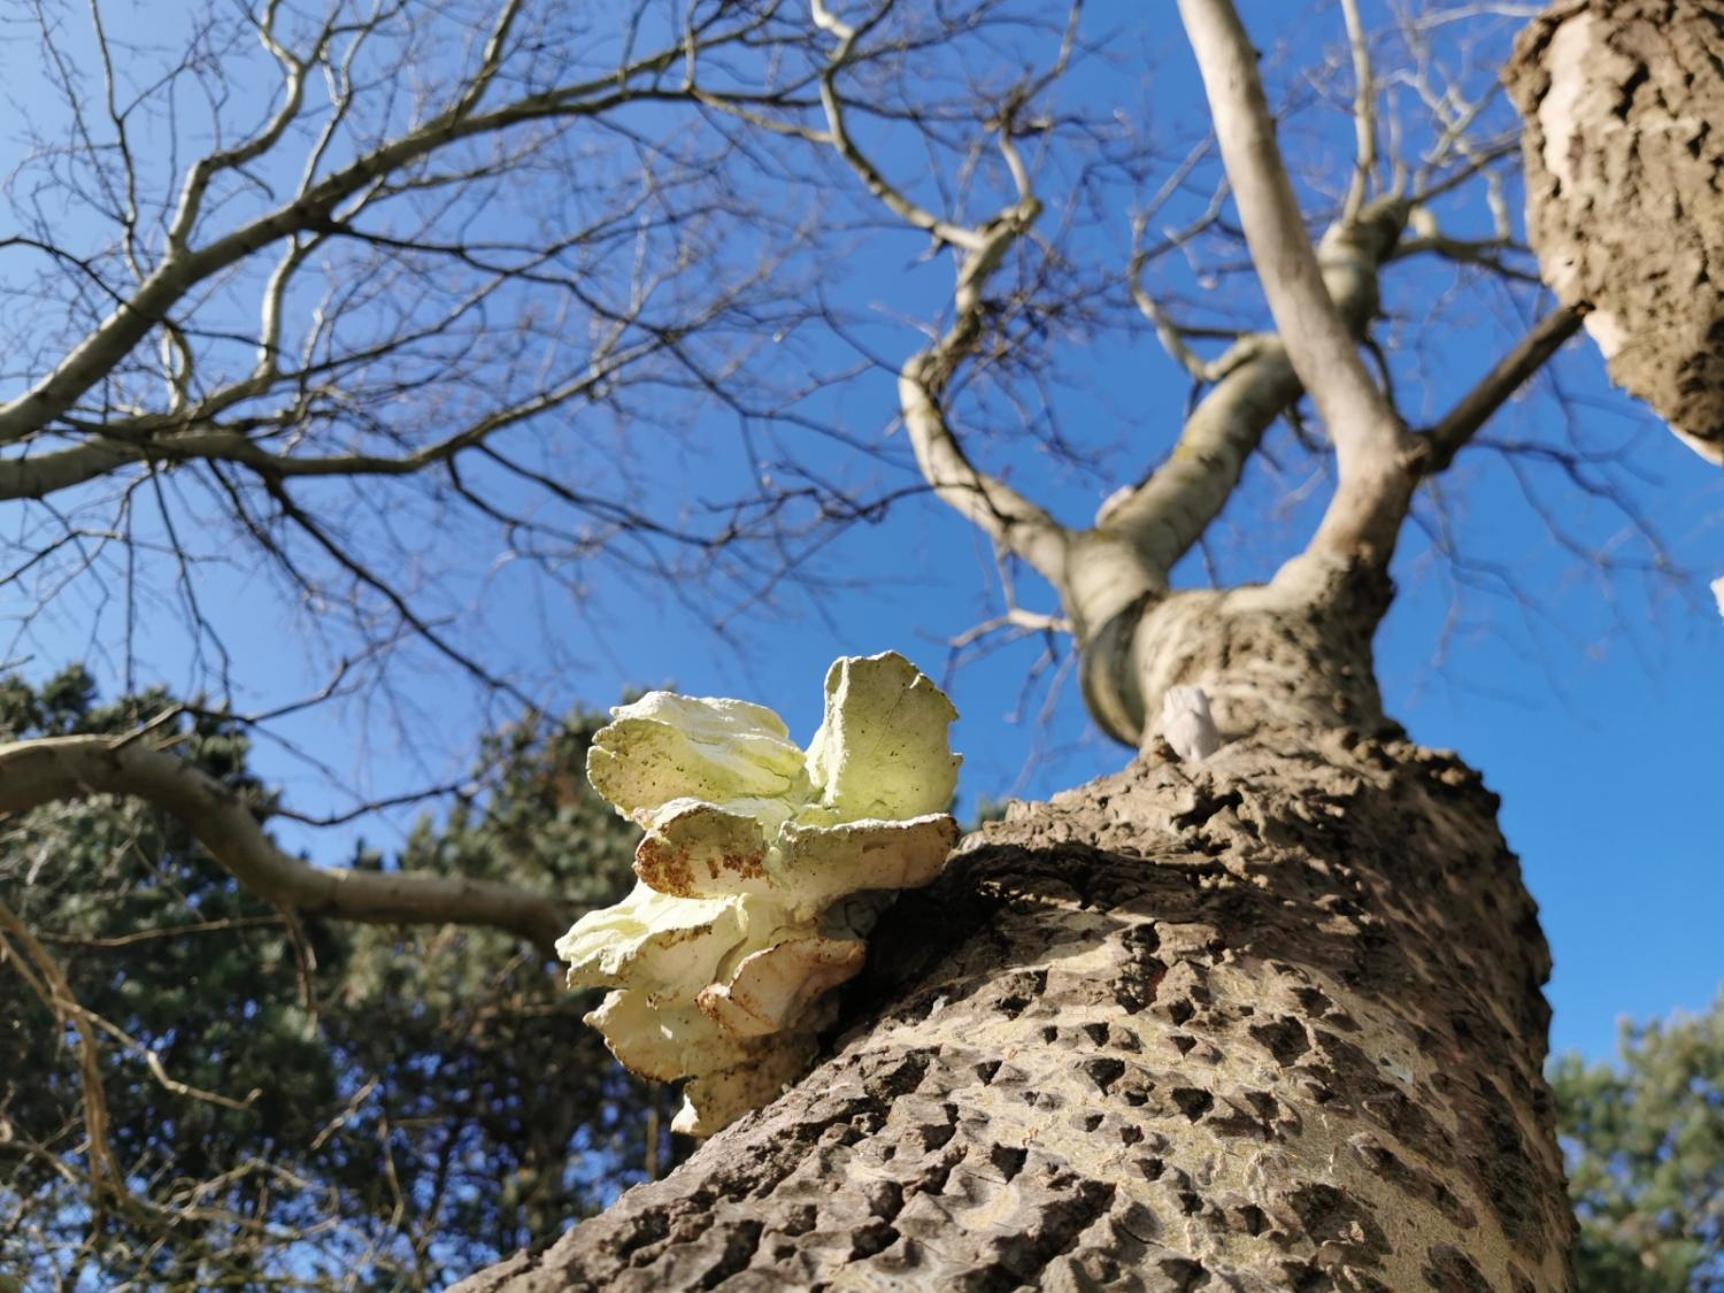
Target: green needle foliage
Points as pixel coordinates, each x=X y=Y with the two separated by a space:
x=425 y=1099
x=1645 y=1146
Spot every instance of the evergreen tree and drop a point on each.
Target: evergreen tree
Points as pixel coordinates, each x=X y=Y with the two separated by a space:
x=398 y=1102
x=1645 y=1145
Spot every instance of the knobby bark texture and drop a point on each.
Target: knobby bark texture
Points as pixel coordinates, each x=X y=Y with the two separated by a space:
x=1624 y=149
x=1270 y=1021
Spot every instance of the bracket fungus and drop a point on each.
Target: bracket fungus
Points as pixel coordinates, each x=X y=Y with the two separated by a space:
x=762 y=871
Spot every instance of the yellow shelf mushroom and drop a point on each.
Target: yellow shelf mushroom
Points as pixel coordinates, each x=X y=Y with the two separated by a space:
x=747 y=911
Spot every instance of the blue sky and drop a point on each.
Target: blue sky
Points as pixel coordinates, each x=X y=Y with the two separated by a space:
x=1593 y=704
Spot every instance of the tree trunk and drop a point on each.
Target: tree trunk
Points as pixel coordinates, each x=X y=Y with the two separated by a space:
x=1622 y=100
x=1271 y=1021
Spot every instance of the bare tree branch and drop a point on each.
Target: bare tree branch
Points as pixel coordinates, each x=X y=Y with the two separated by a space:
x=1370 y=444
x=43 y=976
x=1364 y=113
x=37 y=772
x=1000 y=511
x=1252 y=384
x=313 y=210
x=1474 y=409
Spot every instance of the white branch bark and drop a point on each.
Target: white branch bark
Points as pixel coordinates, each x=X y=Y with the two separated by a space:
x=1371 y=446
x=1253 y=384
x=999 y=510
x=1364 y=112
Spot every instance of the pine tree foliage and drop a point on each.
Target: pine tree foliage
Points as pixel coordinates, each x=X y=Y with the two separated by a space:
x=413 y=1101
x=1645 y=1146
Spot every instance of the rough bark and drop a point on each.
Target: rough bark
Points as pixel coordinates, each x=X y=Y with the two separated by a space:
x=1272 y=1021
x=1624 y=157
